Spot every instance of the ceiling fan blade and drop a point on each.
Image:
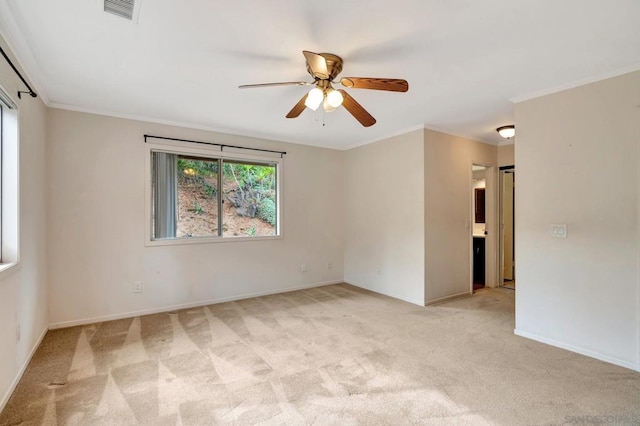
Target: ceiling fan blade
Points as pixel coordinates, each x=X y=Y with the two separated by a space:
x=357 y=110
x=298 y=108
x=317 y=64
x=286 y=83
x=390 y=84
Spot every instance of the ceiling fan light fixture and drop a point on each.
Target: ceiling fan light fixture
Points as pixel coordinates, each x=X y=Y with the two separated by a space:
x=507 y=132
x=314 y=98
x=334 y=98
x=327 y=106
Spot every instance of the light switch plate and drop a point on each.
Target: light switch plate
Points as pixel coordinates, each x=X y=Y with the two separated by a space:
x=559 y=230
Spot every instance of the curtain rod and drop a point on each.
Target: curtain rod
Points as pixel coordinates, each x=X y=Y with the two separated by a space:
x=222 y=146
x=20 y=92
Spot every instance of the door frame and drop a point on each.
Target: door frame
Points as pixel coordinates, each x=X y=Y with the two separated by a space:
x=500 y=254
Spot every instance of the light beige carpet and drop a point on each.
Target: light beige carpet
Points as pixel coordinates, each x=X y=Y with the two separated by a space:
x=332 y=355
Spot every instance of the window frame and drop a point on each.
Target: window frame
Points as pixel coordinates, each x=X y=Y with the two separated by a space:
x=215 y=153
x=9 y=185
x=2 y=137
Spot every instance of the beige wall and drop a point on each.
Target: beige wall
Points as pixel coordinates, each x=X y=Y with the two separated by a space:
x=384 y=210
x=506 y=155
x=23 y=290
x=399 y=230
x=577 y=164
x=448 y=200
x=96 y=225
x=384 y=239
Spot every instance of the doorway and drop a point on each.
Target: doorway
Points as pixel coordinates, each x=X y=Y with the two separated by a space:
x=479 y=223
x=507 y=227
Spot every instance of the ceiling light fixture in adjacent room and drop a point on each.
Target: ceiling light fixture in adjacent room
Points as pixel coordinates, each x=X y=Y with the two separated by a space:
x=507 y=132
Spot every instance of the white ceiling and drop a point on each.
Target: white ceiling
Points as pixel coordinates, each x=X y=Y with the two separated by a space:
x=465 y=60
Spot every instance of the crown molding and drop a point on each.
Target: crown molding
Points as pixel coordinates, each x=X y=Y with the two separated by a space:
x=459 y=135
x=575 y=83
x=424 y=127
x=386 y=136
x=185 y=125
x=15 y=40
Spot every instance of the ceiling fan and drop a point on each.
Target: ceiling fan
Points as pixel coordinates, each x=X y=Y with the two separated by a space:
x=324 y=68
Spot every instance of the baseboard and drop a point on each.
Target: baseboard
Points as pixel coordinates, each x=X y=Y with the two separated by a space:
x=447 y=298
x=581 y=351
x=395 y=296
x=85 y=321
x=16 y=380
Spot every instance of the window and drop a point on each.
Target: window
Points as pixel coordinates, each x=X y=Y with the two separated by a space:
x=199 y=196
x=2 y=107
x=8 y=181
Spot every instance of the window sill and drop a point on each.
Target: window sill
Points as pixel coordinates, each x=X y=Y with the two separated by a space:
x=7 y=269
x=207 y=240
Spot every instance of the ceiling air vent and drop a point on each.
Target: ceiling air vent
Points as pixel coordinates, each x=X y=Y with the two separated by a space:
x=127 y=9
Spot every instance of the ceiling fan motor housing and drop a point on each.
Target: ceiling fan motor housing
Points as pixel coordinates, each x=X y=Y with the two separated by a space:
x=334 y=65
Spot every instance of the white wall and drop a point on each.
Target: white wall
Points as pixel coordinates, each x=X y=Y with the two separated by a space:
x=448 y=200
x=96 y=222
x=384 y=208
x=23 y=290
x=577 y=164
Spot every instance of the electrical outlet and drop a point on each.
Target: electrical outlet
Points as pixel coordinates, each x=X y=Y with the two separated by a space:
x=18 y=332
x=137 y=286
x=303 y=267
x=559 y=230
x=329 y=265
